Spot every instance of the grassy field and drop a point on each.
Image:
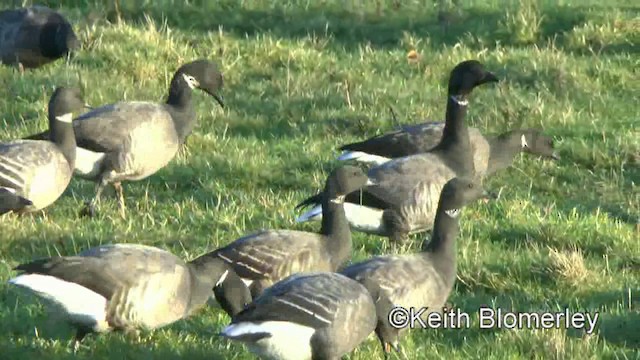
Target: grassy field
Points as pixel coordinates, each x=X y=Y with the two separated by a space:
x=301 y=78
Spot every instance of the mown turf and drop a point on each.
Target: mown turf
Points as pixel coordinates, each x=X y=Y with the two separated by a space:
x=301 y=78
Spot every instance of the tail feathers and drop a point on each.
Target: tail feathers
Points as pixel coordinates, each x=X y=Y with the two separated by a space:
x=10 y=201
x=312 y=200
x=351 y=147
x=351 y=155
x=38 y=266
x=310 y=215
x=245 y=332
x=363 y=157
x=39 y=136
x=84 y=305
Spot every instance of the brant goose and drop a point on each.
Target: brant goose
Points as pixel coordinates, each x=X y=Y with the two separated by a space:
x=268 y=256
x=34 y=36
x=129 y=141
x=424 y=279
x=122 y=286
x=34 y=174
x=489 y=153
x=405 y=196
x=306 y=316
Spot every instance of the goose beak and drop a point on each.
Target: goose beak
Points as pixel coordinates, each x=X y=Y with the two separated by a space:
x=218 y=97
x=490 y=77
x=488 y=195
x=555 y=156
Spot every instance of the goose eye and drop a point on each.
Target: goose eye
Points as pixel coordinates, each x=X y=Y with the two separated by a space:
x=470 y=185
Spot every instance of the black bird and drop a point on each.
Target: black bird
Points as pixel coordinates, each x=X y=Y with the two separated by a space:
x=405 y=197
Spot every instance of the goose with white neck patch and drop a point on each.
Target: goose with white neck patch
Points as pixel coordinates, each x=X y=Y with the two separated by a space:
x=407 y=189
x=306 y=316
x=35 y=173
x=122 y=287
x=418 y=280
x=129 y=141
x=266 y=257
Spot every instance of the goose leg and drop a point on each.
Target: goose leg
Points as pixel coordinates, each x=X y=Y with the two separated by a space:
x=90 y=207
x=120 y=193
x=81 y=333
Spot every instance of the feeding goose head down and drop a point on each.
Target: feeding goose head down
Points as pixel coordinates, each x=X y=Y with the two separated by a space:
x=58 y=39
x=203 y=75
x=536 y=143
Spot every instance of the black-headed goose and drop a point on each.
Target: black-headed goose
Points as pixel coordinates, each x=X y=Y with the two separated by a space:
x=34 y=36
x=490 y=153
x=424 y=279
x=405 y=196
x=306 y=316
x=34 y=173
x=264 y=258
x=129 y=141
x=122 y=286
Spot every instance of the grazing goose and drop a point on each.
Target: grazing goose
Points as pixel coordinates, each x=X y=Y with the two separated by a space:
x=424 y=279
x=33 y=174
x=266 y=257
x=405 y=196
x=133 y=140
x=34 y=36
x=122 y=286
x=306 y=316
x=490 y=154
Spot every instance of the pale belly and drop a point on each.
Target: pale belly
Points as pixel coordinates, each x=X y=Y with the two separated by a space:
x=149 y=150
x=47 y=185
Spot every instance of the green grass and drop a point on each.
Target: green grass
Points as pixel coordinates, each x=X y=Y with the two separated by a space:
x=564 y=234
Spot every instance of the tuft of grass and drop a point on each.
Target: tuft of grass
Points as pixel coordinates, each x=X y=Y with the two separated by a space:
x=569 y=266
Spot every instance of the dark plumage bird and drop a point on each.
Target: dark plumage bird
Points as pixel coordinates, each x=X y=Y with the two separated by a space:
x=424 y=279
x=122 y=286
x=306 y=316
x=266 y=257
x=405 y=196
x=129 y=141
x=490 y=154
x=34 y=36
x=33 y=173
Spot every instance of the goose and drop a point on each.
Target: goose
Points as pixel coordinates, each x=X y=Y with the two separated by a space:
x=34 y=173
x=34 y=36
x=122 y=287
x=130 y=141
x=318 y=315
x=405 y=196
x=418 y=280
x=490 y=153
x=268 y=256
